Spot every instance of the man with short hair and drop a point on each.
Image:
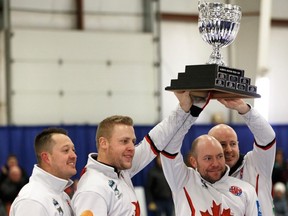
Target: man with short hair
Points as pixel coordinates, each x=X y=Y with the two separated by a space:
x=105 y=188
x=44 y=194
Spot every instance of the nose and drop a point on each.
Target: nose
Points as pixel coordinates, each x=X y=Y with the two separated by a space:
x=73 y=154
x=228 y=148
x=216 y=162
x=131 y=146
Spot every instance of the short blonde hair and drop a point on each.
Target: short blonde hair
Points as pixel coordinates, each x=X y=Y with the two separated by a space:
x=105 y=127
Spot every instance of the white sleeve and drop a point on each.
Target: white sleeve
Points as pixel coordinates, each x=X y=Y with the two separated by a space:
x=163 y=132
x=261 y=129
x=28 y=207
x=175 y=171
x=262 y=158
x=174 y=146
x=174 y=168
x=89 y=202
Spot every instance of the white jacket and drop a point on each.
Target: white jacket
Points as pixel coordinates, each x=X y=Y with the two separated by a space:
x=195 y=196
x=104 y=191
x=44 y=195
x=257 y=165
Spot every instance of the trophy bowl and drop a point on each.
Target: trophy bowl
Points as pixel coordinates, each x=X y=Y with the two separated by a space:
x=218 y=25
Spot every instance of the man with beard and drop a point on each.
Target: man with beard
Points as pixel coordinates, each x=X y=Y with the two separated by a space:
x=257 y=165
x=205 y=188
x=105 y=188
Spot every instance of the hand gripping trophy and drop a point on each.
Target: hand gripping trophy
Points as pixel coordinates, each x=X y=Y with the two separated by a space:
x=218 y=25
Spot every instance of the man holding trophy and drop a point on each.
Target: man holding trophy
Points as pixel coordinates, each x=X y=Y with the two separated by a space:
x=256 y=166
x=218 y=25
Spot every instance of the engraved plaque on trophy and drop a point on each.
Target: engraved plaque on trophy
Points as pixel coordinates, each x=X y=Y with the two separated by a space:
x=218 y=25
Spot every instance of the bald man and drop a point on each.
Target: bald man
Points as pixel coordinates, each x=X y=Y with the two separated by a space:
x=257 y=165
x=206 y=189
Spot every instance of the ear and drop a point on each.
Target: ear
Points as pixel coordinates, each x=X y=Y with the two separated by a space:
x=103 y=143
x=193 y=162
x=45 y=157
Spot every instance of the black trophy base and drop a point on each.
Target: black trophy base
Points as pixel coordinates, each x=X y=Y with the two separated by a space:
x=220 y=81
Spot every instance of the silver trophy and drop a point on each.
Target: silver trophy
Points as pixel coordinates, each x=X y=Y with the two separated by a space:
x=218 y=24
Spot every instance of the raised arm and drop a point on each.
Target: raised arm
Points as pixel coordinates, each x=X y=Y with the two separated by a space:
x=261 y=129
x=173 y=165
x=263 y=154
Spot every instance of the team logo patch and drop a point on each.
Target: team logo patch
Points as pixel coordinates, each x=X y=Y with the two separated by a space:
x=235 y=190
x=216 y=211
x=258 y=208
x=87 y=213
x=58 y=207
x=113 y=185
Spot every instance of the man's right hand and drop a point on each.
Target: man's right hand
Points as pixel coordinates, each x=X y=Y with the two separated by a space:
x=185 y=99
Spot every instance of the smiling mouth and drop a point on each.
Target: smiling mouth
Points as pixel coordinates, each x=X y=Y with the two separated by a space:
x=129 y=159
x=216 y=171
x=72 y=164
x=129 y=156
x=230 y=157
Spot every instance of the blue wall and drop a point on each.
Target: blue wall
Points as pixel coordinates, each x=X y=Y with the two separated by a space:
x=19 y=140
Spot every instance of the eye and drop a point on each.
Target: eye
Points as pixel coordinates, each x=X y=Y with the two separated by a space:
x=223 y=144
x=125 y=141
x=220 y=156
x=207 y=158
x=128 y=141
x=66 y=150
x=233 y=143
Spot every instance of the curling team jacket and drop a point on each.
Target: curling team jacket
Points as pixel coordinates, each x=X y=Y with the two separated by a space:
x=104 y=191
x=257 y=165
x=44 y=195
x=195 y=196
